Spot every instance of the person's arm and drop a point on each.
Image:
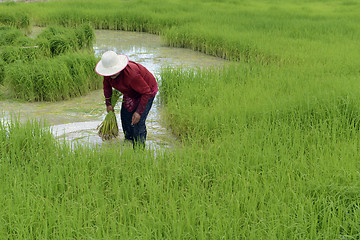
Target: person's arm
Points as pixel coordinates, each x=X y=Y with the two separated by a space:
x=107 y=94
x=140 y=86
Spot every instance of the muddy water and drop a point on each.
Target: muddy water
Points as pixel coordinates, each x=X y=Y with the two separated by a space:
x=76 y=120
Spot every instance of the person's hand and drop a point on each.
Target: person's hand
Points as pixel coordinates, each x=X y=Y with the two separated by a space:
x=135 y=118
x=109 y=108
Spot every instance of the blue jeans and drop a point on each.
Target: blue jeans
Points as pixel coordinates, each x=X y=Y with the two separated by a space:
x=137 y=132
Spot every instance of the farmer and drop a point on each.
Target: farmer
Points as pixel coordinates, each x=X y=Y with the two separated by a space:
x=138 y=87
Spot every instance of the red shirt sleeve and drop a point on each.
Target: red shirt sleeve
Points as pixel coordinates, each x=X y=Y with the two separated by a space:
x=107 y=91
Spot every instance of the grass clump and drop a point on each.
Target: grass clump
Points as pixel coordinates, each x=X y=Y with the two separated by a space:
x=59 y=40
x=109 y=129
x=14 y=19
x=2 y=71
x=12 y=36
x=244 y=95
x=11 y=54
x=15 y=45
x=51 y=42
x=54 y=79
x=48 y=76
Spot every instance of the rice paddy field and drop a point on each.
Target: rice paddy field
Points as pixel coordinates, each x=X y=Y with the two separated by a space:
x=268 y=144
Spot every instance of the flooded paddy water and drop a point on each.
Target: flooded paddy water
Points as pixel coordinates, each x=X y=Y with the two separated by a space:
x=76 y=120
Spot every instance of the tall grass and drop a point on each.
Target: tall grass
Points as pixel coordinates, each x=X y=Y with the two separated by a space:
x=32 y=70
x=51 y=42
x=13 y=36
x=53 y=79
x=15 y=19
x=281 y=32
x=57 y=40
x=242 y=95
x=267 y=183
x=286 y=155
x=11 y=54
x=15 y=45
x=2 y=71
x=270 y=144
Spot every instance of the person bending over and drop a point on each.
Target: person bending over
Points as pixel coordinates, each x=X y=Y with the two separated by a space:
x=138 y=87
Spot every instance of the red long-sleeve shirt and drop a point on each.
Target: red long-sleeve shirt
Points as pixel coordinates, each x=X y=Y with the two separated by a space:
x=137 y=85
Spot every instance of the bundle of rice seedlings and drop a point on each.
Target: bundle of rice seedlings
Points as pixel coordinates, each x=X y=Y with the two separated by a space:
x=109 y=129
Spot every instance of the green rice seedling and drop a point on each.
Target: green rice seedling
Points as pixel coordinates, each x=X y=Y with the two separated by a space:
x=85 y=35
x=109 y=129
x=2 y=71
x=81 y=69
x=9 y=36
x=30 y=53
x=10 y=54
x=52 y=79
x=62 y=40
x=43 y=46
x=24 y=41
x=88 y=66
x=270 y=146
x=80 y=35
x=13 y=19
x=59 y=45
x=51 y=31
x=15 y=45
x=251 y=184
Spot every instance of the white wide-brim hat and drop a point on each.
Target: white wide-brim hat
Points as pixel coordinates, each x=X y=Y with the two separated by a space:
x=111 y=63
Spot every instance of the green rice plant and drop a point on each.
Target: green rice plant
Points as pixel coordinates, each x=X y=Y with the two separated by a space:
x=10 y=36
x=52 y=79
x=23 y=137
x=10 y=54
x=51 y=31
x=51 y=42
x=85 y=35
x=243 y=95
x=43 y=46
x=270 y=146
x=15 y=45
x=246 y=185
x=81 y=68
x=2 y=71
x=109 y=129
x=265 y=126
x=62 y=40
x=249 y=31
x=13 y=19
x=59 y=45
